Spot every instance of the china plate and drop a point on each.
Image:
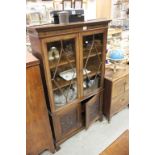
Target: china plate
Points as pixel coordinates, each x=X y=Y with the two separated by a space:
x=71 y=74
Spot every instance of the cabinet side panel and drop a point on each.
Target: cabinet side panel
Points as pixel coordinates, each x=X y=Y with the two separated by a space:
x=38 y=131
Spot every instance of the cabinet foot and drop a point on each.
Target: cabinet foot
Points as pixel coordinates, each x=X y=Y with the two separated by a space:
x=109 y=120
x=47 y=152
x=101 y=119
x=57 y=148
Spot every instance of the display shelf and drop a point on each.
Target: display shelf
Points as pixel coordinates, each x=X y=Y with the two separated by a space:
x=87 y=91
x=93 y=72
x=63 y=83
x=94 y=86
x=93 y=53
x=71 y=59
x=63 y=61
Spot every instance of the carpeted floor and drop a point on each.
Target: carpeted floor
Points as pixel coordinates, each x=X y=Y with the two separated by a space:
x=99 y=136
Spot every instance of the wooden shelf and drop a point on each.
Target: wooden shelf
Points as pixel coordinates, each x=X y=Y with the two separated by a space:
x=86 y=52
x=93 y=71
x=91 y=74
x=63 y=60
x=63 y=83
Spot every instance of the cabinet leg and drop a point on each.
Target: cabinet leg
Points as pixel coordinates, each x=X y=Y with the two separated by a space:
x=101 y=118
x=47 y=152
x=57 y=147
x=109 y=120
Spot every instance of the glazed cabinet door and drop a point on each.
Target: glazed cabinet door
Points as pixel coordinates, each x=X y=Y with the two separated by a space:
x=93 y=60
x=61 y=62
x=67 y=121
x=93 y=110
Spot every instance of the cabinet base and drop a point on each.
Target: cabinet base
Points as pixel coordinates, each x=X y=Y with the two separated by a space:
x=61 y=141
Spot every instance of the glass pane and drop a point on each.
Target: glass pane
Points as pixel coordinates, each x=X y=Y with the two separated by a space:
x=92 y=62
x=62 y=62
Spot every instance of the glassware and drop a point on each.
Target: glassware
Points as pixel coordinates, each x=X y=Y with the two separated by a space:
x=53 y=53
x=69 y=94
x=69 y=50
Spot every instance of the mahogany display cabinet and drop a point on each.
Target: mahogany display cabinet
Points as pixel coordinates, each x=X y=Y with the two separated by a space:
x=73 y=62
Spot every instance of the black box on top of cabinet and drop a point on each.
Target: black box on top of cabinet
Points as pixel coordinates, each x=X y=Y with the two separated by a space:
x=74 y=15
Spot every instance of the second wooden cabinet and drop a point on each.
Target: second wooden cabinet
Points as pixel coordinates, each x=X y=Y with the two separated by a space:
x=116 y=94
x=73 y=62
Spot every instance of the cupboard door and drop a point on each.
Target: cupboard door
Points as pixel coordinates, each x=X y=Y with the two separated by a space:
x=67 y=121
x=92 y=110
x=62 y=57
x=93 y=58
x=119 y=102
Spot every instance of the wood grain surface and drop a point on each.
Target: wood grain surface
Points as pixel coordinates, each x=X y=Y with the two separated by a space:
x=119 y=147
x=38 y=131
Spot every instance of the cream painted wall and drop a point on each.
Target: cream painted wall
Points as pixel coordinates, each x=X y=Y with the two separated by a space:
x=90 y=11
